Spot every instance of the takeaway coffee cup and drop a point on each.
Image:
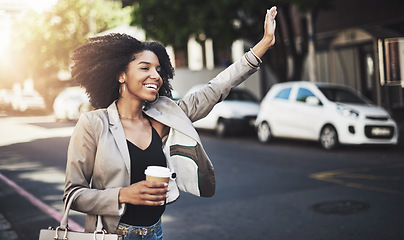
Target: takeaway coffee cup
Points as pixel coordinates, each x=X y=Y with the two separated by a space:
x=157 y=174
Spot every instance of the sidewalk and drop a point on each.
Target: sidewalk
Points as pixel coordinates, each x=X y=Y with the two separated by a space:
x=20 y=130
x=6 y=231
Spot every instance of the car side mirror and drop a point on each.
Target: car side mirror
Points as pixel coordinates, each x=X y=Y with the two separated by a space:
x=313 y=101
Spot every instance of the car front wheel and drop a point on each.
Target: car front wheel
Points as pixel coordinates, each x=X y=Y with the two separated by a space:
x=222 y=129
x=329 y=138
x=264 y=132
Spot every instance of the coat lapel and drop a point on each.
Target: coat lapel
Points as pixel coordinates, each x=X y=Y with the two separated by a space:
x=116 y=128
x=170 y=114
x=172 y=117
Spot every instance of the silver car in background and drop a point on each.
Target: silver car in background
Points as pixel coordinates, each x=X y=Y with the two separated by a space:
x=29 y=100
x=324 y=112
x=70 y=103
x=235 y=114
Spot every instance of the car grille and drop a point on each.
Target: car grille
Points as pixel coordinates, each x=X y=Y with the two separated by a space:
x=379 y=132
x=375 y=118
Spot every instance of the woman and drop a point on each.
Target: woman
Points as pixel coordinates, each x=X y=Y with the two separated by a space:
x=137 y=125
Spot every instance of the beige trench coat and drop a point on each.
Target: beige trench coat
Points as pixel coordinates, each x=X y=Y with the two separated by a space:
x=98 y=156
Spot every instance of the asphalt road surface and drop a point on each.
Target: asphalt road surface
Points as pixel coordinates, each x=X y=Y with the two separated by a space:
x=284 y=190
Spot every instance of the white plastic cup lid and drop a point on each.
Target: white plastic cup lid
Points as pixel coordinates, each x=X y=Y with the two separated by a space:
x=157 y=171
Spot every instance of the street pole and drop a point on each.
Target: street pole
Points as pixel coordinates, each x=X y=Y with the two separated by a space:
x=311 y=60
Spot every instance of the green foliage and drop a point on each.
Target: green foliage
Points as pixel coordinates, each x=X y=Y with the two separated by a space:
x=172 y=22
x=311 y=5
x=223 y=21
x=43 y=42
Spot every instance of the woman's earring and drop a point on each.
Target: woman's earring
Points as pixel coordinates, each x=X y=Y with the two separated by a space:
x=120 y=89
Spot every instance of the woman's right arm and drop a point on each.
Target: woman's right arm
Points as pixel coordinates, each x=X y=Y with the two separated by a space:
x=79 y=172
x=80 y=156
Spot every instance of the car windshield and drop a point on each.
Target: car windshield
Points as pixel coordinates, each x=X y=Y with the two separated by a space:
x=342 y=95
x=241 y=95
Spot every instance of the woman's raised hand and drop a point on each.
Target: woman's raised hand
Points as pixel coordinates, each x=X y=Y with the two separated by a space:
x=269 y=33
x=270 y=25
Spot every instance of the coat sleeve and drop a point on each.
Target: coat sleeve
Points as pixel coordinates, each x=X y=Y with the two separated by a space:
x=79 y=171
x=198 y=104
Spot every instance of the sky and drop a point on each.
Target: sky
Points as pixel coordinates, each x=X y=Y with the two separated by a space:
x=9 y=9
x=37 y=5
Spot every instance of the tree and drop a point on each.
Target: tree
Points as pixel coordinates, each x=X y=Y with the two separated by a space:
x=43 y=42
x=172 y=22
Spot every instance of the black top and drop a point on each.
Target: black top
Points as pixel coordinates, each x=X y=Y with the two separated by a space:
x=141 y=215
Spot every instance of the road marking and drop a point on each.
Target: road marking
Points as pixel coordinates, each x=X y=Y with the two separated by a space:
x=41 y=205
x=339 y=176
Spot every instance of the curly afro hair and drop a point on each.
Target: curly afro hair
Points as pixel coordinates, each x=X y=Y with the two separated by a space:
x=98 y=63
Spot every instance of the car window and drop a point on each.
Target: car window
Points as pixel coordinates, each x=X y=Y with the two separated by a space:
x=302 y=94
x=283 y=94
x=342 y=95
x=241 y=95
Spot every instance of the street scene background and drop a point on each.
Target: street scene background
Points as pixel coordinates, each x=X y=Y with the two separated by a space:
x=284 y=190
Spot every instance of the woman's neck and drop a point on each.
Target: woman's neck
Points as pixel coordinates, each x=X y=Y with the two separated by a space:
x=131 y=110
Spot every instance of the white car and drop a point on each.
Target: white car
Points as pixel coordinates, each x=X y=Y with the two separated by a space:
x=70 y=103
x=330 y=114
x=5 y=98
x=24 y=101
x=234 y=114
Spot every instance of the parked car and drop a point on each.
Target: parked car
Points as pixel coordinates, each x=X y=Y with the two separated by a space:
x=30 y=100
x=234 y=114
x=6 y=96
x=70 y=103
x=330 y=114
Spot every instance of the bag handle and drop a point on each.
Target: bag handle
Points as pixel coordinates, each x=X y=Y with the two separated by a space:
x=64 y=222
x=67 y=199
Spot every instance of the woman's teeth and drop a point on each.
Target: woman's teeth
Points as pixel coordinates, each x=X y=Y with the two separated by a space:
x=151 y=86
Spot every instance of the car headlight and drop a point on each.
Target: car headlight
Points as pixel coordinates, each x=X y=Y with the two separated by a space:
x=347 y=112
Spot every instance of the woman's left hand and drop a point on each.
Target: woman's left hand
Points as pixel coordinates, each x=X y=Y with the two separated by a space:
x=270 y=25
x=269 y=33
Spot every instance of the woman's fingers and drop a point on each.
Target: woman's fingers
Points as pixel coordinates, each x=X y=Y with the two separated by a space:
x=153 y=200
x=145 y=193
x=155 y=189
x=270 y=24
x=270 y=17
x=154 y=194
x=273 y=12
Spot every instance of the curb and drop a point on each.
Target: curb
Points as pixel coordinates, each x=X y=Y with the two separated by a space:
x=6 y=231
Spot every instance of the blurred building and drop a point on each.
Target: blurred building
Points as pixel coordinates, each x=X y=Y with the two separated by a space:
x=361 y=44
x=356 y=43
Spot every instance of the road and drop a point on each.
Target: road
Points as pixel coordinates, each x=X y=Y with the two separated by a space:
x=284 y=190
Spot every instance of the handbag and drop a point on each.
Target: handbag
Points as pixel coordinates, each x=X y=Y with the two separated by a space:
x=63 y=232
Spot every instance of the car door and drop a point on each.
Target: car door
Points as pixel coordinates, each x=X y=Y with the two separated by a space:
x=279 y=111
x=307 y=113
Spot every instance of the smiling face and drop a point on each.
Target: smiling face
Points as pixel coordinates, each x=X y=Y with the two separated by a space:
x=142 y=78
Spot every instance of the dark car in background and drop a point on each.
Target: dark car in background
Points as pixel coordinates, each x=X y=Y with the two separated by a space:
x=236 y=113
